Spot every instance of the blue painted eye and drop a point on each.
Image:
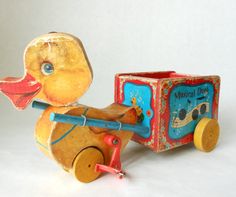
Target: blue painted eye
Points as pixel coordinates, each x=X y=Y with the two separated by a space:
x=47 y=68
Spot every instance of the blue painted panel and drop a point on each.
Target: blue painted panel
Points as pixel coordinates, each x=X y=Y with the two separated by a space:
x=188 y=104
x=140 y=96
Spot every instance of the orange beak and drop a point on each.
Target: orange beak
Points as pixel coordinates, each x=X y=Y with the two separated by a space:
x=20 y=91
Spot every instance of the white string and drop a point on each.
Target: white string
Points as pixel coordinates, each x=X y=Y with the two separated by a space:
x=119 y=125
x=85 y=120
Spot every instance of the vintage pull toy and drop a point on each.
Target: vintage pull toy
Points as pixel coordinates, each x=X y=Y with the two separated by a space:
x=160 y=110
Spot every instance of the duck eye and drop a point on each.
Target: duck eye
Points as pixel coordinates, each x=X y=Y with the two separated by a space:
x=47 y=68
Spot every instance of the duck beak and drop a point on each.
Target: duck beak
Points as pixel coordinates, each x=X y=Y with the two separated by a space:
x=20 y=91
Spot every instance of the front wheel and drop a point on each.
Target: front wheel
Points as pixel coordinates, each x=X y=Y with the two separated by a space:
x=85 y=162
x=206 y=134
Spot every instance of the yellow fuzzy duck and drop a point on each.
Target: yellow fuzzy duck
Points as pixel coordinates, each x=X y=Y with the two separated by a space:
x=57 y=71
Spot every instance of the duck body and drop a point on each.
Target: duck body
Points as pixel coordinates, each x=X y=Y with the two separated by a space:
x=63 y=142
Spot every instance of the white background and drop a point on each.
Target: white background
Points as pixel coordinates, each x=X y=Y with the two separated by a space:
x=189 y=36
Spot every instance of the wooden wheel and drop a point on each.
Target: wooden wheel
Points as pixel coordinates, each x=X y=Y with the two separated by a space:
x=206 y=134
x=85 y=162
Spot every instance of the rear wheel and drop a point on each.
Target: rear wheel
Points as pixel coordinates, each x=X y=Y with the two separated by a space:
x=85 y=162
x=206 y=134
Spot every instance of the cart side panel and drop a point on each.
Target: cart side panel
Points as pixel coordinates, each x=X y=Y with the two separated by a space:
x=184 y=102
x=141 y=93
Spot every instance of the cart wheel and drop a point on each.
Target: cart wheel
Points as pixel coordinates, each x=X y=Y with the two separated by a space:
x=206 y=134
x=85 y=162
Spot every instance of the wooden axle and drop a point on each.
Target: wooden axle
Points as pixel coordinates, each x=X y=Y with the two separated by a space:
x=40 y=105
x=84 y=121
x=113 y=125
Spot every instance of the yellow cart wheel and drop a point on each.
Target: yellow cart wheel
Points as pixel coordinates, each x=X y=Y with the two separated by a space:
x=206 y=134
x=85 y=162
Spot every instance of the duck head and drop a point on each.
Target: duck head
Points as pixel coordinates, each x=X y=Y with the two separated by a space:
x=57 y=71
